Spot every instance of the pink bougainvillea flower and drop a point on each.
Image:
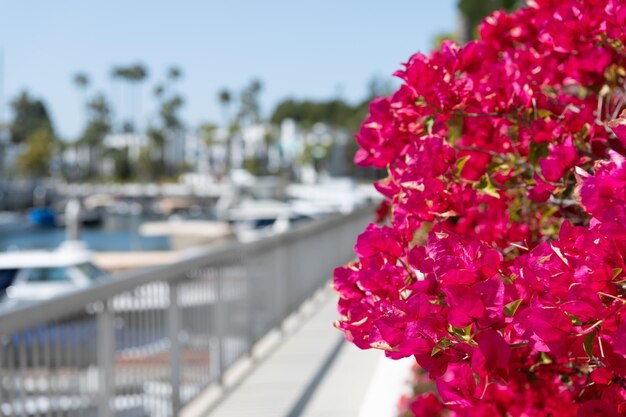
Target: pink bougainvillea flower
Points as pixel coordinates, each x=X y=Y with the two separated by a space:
x=618 y=126
x=501 y=264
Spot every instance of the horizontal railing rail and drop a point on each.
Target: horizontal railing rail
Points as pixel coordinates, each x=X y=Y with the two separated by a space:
x=146 y=342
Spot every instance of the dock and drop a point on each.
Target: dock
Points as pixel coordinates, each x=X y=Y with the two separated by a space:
x=114 y=262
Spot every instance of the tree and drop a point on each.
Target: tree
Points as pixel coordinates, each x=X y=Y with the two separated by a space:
x=336 y=113
x=473 y=11
x=170 y=127
x=34 y=161
x=250 y=109
x=81 y=80
x=98 y=120
x=98 y=126
x=499 y=259
x=249 y=114
x=341 y=117
x=133 y=75
x=225 y=99
x=209 y=133
x=29 y=115
x=157 y=141
x=174 y=73
x=122 y=167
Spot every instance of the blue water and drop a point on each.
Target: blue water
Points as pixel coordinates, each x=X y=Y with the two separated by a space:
x=117 y=233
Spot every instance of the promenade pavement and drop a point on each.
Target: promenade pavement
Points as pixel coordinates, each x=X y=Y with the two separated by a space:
x=310 y=372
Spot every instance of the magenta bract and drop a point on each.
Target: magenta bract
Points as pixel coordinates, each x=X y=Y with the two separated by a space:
x=500 y=264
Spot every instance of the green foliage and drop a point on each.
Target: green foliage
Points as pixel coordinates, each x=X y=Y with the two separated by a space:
x=39 y=149
x=122 y=167
x=208 y=132
x=98 y=121
x=169 y=126
x=169 y=112
x=174 y=73
x=254 y=165
x=97 y=127
x=156 y=165
x=250 y=109
x=475 y=10
x=147 y=166
x=224 y=97
x=30 y=115
x=170 y=102
x=132 y=73
x=336 y=112
x=81 y=80
x=441 y=38
x=157 y=137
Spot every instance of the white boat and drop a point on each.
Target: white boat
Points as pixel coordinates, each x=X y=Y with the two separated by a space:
x=254 y=219
x=27 y=276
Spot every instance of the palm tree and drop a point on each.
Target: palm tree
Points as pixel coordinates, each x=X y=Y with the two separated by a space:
x=134 y=75
x=97 y=127
x=170 y=127
x=208 y=131
x=81 y=82
x=225 y=99
x=174 y=73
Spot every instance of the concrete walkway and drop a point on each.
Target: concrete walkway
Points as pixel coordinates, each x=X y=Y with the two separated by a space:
x=312 y=372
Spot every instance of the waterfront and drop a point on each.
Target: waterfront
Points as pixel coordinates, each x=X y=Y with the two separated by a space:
x=117 y=233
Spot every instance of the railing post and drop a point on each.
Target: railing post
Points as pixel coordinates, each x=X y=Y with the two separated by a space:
x=175 y=350
x=250 y=319
x=281 y=292
x=105 y=324
x=220 y=315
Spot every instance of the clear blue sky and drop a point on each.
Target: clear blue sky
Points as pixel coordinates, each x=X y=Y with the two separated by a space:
x=300 y=49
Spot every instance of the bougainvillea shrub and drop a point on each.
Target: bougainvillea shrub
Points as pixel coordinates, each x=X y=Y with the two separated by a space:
x=499 y=261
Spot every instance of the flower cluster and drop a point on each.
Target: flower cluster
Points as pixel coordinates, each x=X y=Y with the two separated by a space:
x=501 y=266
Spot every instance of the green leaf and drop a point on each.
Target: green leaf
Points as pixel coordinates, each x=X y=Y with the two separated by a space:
x=617 y=272
x=444 y=343
x=585 y=130
x=542 y=113
x=536 y=151
x=549 y=213
x=486 y=186
x=544 y=359
x=429 y=122
x=461 y=333
x=575 y=320
x=460 y=163
x=588 y=344
x=511 y=308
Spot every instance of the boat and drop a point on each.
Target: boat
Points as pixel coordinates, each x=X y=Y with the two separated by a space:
x=55 y=216
x=34 y=275
x=255 y=219
x=42 y=217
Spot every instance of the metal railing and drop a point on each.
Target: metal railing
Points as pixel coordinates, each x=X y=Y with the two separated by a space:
x=148 y=342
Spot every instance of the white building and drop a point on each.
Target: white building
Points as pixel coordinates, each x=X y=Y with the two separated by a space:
x=134 y=142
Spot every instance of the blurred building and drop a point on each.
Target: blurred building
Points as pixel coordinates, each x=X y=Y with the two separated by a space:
x=132 y=142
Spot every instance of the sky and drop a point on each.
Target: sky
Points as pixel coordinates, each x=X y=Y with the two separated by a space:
x=299 y=49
